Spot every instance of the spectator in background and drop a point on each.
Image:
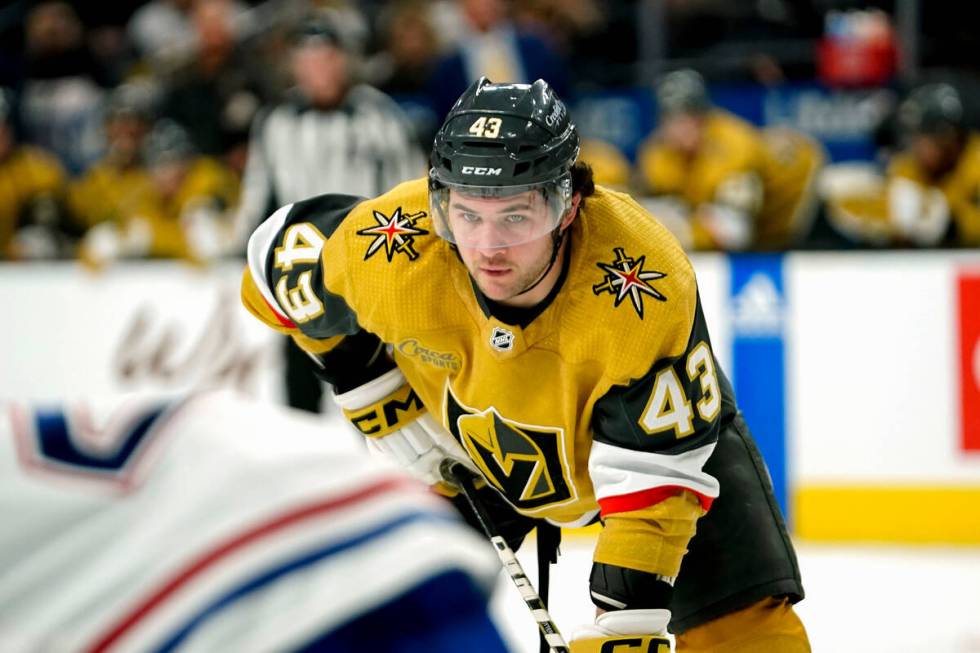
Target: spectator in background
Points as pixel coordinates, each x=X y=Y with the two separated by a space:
x=63 y=87
x=105 y=36
x=410 y=48
x=160 y=30
x=492 y=46
x=216 y=94
x=31 y=188
x=332 y=135
x=930 y=194
x=598 y=40
x=183 y=215
x=558 y=22
x=113 y=188
x=719 y=182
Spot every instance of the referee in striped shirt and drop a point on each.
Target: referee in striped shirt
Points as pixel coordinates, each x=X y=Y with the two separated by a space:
x=332 y=135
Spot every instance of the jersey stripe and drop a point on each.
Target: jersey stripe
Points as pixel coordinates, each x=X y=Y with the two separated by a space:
x=259 y=246
x=66 y=443
x=627 y=479
x=647 y=498
x=286 y=322
x=416 y=621
x=57 y=443
x=297 y=564
x=222 y=551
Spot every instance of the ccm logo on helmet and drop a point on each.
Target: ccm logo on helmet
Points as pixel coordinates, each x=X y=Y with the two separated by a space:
x=473 y=170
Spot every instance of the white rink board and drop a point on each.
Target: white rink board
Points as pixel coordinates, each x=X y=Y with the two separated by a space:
x=143 y=328
x=873 y=367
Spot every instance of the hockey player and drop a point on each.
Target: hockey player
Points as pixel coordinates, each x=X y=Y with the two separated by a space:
x=113 y=188
x=217 y=524
x=929 y=194
x=730 y=185
x=32 y=185
x=548 y=333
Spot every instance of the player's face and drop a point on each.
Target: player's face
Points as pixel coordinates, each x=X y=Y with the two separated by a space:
x=934 y=152
x=320 y=71
x=505 y=243
x=168 y=177
x=125 y=134
x=683 y=131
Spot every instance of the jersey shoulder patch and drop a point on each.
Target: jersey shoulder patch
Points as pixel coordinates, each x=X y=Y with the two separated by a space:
x=396 y=263
x=392 y=227
x=634 y=287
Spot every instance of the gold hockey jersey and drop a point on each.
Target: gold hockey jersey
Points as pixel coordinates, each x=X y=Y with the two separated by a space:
x=27 y=174
x=609 y=399
x=208 y=183
x=766 y=176
x=108 y=193
x=961 y=187
x=793 y=163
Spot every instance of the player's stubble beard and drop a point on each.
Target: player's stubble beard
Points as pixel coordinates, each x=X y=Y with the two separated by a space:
x=524 y=277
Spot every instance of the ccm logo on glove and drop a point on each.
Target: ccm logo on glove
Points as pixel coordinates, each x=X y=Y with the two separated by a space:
x=635 y=645
x=383 y=417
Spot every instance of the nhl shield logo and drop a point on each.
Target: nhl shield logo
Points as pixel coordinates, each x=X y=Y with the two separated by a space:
x=502 y=339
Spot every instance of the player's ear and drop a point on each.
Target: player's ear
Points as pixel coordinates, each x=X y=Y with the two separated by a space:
x=572 y=212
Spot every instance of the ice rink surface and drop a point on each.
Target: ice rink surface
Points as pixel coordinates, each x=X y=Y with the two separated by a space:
x=860 y=599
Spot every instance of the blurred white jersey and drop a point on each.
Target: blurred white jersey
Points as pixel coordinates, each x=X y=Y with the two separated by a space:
x=210 y=524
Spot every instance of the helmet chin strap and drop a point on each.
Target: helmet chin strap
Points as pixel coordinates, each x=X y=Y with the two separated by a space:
x=557 y=236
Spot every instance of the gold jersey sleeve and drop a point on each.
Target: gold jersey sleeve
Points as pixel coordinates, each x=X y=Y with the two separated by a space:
x=793 y=162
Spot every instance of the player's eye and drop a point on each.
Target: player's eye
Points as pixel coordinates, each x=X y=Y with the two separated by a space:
x=471 y=218
x=514 y=218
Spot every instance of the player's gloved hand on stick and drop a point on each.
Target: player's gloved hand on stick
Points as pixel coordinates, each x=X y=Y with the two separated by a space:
x=626 y=630
x=392 y=416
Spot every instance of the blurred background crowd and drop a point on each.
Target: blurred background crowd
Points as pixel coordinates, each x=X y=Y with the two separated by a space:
x=170 y=128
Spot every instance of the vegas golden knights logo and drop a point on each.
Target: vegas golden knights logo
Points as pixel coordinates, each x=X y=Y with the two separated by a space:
x=524 y=462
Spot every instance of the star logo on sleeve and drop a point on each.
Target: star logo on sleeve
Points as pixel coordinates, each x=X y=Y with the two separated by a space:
x=625 y=277
x=395 y=234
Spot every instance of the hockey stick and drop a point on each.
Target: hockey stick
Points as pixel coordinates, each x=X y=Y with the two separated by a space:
x=457 y=474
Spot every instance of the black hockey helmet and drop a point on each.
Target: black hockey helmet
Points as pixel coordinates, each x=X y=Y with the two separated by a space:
x=931 y=109
x=131 y=100
x=318 y=29
x=682 y=91
x=498 y=141
x=167 y=142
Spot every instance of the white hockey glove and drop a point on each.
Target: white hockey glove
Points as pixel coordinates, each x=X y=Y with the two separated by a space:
x=639 y=630
x=396 y=423
x=918 y=213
